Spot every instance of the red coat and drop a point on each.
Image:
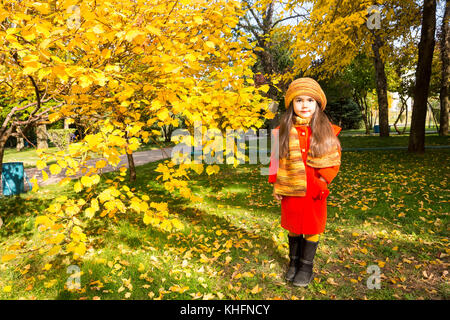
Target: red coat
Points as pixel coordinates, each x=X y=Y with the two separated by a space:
x=308 y=214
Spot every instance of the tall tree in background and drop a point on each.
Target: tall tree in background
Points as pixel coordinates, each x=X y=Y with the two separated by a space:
x=359 y=75
x=262 y=20
x=381 y=85
x=423 y=75
x=336 y=31
x=445 y=76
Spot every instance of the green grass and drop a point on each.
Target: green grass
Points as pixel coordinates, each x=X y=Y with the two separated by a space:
x=28 y=156
x=386 y=208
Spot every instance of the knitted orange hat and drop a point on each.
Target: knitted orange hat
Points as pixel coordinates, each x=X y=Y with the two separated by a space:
x=308 y=87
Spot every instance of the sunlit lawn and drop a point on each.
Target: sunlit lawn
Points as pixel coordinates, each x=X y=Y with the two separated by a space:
x=388 y=211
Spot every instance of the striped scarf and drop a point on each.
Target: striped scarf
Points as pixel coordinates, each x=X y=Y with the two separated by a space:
x=291 y=174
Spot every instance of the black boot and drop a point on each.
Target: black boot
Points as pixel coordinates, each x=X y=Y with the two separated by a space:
x=294 y=256
x=305 y=271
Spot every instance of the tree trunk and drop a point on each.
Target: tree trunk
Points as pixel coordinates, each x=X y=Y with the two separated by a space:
x=2 y=150
x=66 y=126
x=423 y=75
x=399 y=116
x=368 y=112
x=406 y=114
x=360 y=102
x=41 y=135
x=445 y=78
x=132 y=167
x=381 y=84
x=433 y=118
x=20 y=143
x=4 y=135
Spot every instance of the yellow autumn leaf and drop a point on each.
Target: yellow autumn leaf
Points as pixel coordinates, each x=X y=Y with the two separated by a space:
x=210 y=44
x=94 y=204
x=198 y=19
x=89 y=212
x=78 y=187
x=40 y=164
x=8 y=257
x=54 y=250
x=47 y=267
x=86 y=181
x=212 y=169
x=256 y=289
x=163 y=114
x=55 y=169
x=197 y=167
x=7 y=289
x=95 y=179
x=190 y=57
x=132 y=34
x=178 y=289
x=43 y=220
x=153 y=30
x=62 y=163
x=50 y=283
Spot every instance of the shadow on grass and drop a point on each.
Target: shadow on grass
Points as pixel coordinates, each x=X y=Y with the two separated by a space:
x=199 y=237
x=16 y=212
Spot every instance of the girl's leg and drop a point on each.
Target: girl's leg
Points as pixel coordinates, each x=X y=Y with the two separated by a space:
x=308 y=251
x=312 y=237
x=295 y=243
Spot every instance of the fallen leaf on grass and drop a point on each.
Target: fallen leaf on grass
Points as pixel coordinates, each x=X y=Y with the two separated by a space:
x=331 y=281
x=256 y=289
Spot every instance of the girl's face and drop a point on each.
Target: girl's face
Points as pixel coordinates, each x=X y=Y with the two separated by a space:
x=304 y=106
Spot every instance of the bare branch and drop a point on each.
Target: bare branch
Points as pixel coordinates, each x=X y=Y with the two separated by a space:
x=255 y=16
x=253 y=30
x=291 y=17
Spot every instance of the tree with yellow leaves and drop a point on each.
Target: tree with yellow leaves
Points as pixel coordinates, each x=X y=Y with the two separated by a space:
x=117 y=63
x=336 y=31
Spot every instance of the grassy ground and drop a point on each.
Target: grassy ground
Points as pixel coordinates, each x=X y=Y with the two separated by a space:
x=28 y=156
x=392 y=129
x=387 y=216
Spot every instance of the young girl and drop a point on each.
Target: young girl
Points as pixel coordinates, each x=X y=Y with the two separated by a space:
x=308 y=159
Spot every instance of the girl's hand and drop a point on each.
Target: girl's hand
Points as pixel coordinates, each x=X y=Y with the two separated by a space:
x=277 y=197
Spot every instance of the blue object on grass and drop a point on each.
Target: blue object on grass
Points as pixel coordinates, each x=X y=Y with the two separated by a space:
x=12 y=178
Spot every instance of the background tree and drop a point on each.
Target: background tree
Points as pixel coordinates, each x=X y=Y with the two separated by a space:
x=265 y=22
x=423 y=75
x=359 y=75
x=445 y=77
x=336 y=31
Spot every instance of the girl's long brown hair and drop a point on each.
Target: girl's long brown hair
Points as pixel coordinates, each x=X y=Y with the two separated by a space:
x=323 y=140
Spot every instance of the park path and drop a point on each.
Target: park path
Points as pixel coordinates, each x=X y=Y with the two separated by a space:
x=140 y=158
